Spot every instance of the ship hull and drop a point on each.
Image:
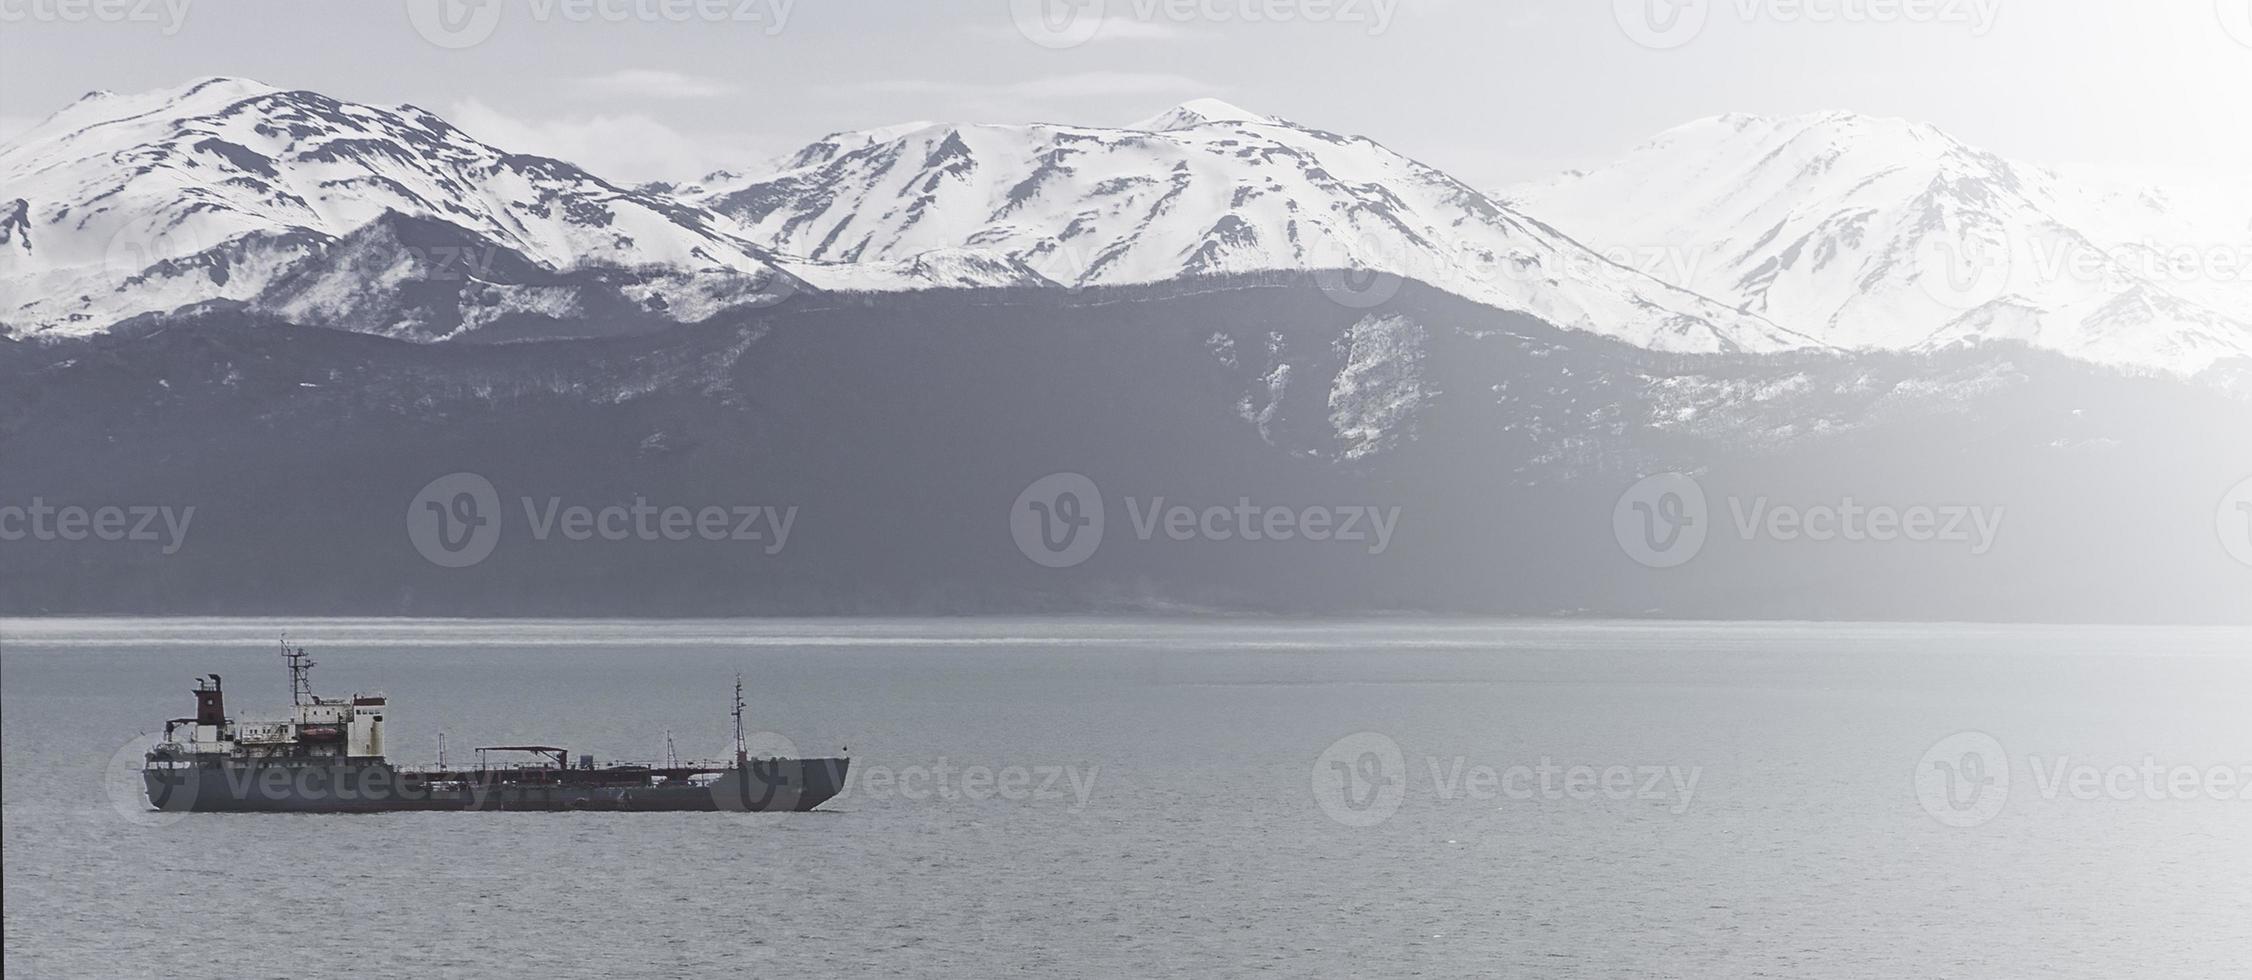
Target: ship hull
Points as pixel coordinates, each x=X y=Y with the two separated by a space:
x=760 y=786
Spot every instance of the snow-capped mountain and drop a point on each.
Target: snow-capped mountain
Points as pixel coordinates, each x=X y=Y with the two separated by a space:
x=1878 y=233
x=227 y=189
x=1737 y=233
x=1205 y=189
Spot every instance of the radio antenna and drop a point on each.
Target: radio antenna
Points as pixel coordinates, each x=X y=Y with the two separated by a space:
x=740 y=753
x=300 y=672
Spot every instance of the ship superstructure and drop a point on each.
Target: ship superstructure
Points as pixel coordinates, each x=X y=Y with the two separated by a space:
x=318 y=730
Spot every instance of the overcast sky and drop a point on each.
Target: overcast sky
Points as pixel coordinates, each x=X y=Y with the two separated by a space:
x=1493 y=90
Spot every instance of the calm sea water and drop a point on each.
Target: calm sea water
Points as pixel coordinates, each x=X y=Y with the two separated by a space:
x=1062 y=798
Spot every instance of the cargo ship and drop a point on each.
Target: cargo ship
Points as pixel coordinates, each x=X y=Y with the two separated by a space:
x=326 y=756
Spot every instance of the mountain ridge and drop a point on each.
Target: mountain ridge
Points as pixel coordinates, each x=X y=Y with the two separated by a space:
x=1206 y=189
x=903 y=425
x=219 y=188
x=1736 y=232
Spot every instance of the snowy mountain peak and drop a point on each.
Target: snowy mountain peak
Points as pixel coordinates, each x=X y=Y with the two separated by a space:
x=199 y=97
x=1871 y=232
x=1204 y=190
x=214 y=189
x=1201 y=112
x=829 y=147
x=1731 y=233
x=1810 y=135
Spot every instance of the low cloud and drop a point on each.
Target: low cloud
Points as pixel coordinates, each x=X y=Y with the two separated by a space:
x=1074 y=86
x=1041 y=98
x=624 y=148
x=1114 y=28
x=646 y=83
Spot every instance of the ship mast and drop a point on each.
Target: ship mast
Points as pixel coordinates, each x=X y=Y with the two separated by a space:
x=740 y=753
x=300 y=673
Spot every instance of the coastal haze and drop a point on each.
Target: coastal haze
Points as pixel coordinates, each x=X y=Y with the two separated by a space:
x=1371 y=488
